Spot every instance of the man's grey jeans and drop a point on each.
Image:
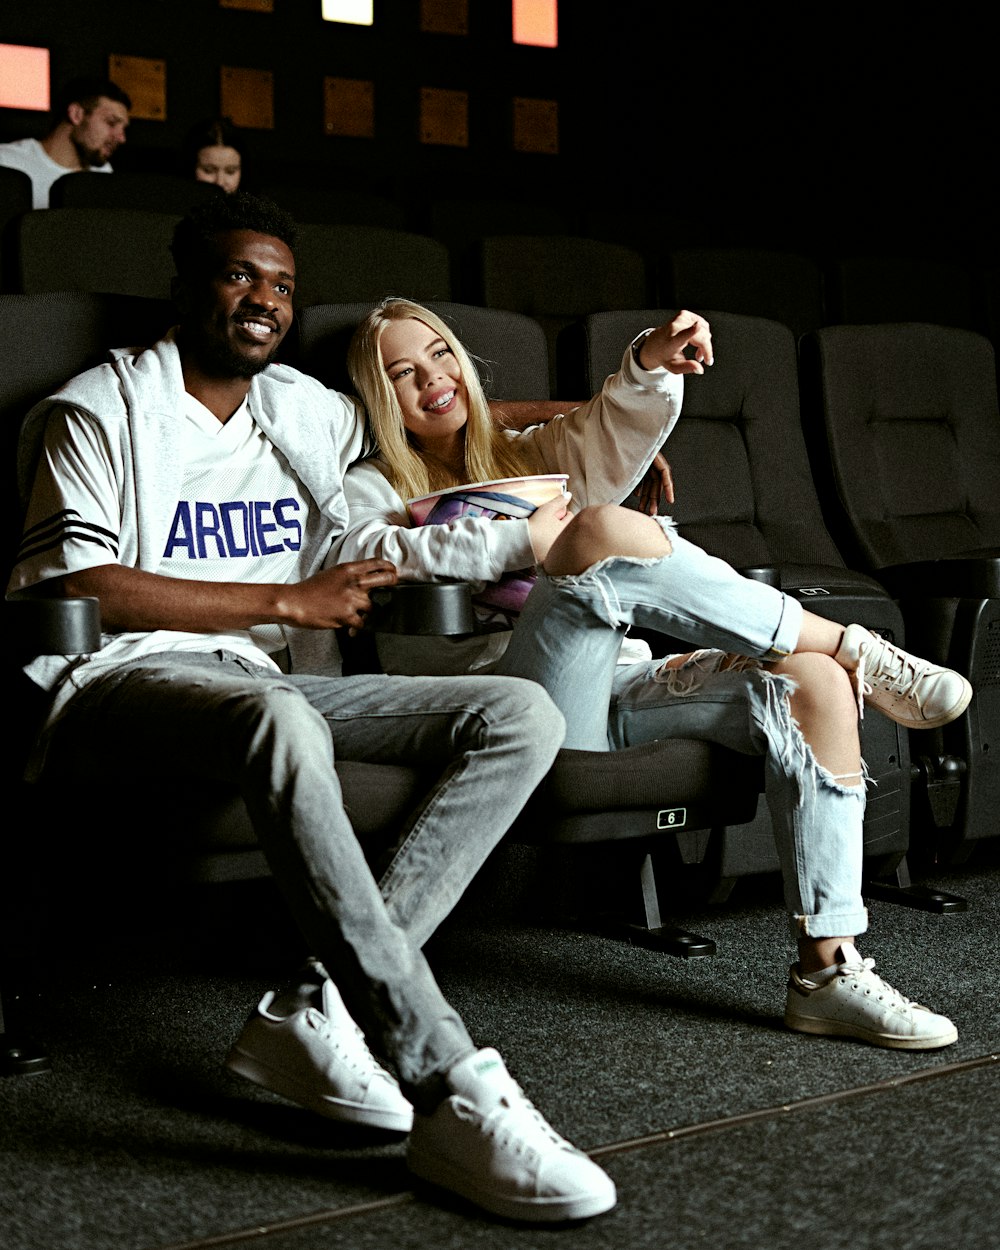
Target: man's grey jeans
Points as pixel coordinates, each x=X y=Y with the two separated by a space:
x=485 y=743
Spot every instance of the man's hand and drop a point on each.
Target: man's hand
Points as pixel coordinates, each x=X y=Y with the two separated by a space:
x=657 y=482
x=133 y=599
x=337 y=597
x=683 y=345
x=546 y=523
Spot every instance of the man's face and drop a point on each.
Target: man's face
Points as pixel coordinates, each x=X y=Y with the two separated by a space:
x=98 y=131
x=238 y=310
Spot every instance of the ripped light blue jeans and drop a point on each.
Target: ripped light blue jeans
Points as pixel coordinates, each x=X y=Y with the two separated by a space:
x=568 y=639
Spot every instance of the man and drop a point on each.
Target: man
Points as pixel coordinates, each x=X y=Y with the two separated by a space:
x=90 y=117
x=195 y=488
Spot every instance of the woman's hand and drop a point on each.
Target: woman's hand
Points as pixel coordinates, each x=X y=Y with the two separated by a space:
x=683 y=345
x=546 y=523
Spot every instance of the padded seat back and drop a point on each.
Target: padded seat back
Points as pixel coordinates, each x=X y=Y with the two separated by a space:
x=782 y=286
x=745 y=493
x=353 y=263
x=119 y=251
x=48 y=339
x=906 y=418
x=145 y=192
x=741 y=474
x=15 y=199
x=461 y=222
x=562 y=276
x=556 y=279
x=334 y=205
x=889 y=289
x=906 y=424
x=508 y=348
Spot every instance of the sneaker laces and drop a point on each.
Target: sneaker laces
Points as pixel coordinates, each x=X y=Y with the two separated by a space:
x=893 y=670
x=349 y=1045
x=873 y=982
x=518 y=1126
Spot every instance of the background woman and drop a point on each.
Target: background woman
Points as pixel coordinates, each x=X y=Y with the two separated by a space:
x=776 y=681
x=213 y=151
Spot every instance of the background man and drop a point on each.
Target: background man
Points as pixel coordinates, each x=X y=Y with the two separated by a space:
x=90 y=116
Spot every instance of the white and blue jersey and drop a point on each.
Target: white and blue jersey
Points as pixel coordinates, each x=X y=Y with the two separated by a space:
x=241 y=515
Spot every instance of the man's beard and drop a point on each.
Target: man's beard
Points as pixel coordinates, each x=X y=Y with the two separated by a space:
x=89 y=156
x=222 y=360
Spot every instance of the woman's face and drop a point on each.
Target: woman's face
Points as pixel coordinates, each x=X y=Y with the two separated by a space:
x=427 y=379
x=220 y=165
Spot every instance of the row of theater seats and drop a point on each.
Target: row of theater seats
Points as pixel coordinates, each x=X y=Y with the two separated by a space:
x=513 y=257
x=859 y=474
x=618 y=801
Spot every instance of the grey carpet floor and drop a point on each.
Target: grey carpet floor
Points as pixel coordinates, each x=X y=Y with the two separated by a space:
x=719 y=1127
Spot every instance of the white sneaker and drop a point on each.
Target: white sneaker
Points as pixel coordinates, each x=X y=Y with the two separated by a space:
x=910 y=691
x=489 y=1144
x=319 y=1059
x=854 y=1002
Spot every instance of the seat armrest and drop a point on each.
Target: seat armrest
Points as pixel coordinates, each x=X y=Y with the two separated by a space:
x=36 y=626
x=769 y=574
x=972 y=575
x=423 y=608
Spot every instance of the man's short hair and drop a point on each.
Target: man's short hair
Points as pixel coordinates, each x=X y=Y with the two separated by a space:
x=86 y=91
x=195 y=234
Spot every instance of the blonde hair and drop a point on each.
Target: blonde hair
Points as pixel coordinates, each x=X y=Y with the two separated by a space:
x=412 y=472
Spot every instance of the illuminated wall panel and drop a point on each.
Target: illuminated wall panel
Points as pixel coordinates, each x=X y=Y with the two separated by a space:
x=355 y=12
x=349 y=107
x=536 y=22
x=536 y=126
x=444 y=117
x=444 y=17
x=24 y=77
x=247 y=96
x=145 y=82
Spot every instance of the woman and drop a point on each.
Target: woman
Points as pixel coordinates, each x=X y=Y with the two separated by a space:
x=777 y=681
x=214 y=152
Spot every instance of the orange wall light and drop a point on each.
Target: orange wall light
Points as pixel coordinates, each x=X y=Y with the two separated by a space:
x=536 y=22
x=24 y=77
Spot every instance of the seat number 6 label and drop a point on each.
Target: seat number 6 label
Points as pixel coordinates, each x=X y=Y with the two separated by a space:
x=671 y=818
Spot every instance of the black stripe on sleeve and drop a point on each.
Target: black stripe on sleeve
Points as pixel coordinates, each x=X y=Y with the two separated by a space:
x=62 y=527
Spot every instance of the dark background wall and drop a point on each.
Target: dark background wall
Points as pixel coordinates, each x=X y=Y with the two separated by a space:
x=810 y=126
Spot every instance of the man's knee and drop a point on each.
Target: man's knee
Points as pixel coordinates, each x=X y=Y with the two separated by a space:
x=276 y=717
x=522 y=710
x=205 y=723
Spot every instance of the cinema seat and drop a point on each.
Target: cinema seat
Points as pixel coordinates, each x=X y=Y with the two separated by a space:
x=15 y=199
x=345 y=262
x=634 y=799
x=557 y=279
x=905 y=440
x=116 y=251
x=509 y=348
x=745 y=493
x=145 y=192
x=782 y=286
